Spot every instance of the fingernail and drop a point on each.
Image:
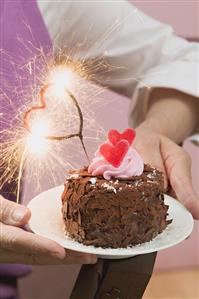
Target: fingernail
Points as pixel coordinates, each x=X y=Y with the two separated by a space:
x=19 y=214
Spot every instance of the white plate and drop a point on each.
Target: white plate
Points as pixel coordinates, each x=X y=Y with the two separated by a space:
x=46 y=221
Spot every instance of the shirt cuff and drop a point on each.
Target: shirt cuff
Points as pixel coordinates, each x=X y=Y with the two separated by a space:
x=179 y=75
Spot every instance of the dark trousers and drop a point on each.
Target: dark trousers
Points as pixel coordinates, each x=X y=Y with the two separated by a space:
x=115 y=279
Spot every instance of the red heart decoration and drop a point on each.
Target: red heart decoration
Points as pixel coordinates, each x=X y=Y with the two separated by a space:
x=114 y=154
x=114 y=136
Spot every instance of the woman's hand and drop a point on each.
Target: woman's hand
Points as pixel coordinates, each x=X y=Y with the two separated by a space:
x=19 y=246
x=173 y=161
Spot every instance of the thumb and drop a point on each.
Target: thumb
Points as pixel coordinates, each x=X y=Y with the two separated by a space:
x=12 y=213
x=149 y=149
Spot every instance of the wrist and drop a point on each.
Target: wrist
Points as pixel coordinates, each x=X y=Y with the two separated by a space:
x=156 y=125
x=170 y=113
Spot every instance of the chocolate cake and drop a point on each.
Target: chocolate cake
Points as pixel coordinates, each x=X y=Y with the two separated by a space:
x=114 y=213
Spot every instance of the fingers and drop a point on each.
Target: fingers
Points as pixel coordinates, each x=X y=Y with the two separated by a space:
x=186 y=194
x=7 y=256
x=12 y=213
x=178 y=165
x=18 y=246
x=72 y=257
x=18 y=240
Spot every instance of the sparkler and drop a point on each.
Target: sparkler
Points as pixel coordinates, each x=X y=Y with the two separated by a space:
x=43 y=106
x=33 y=144
x=38 y=132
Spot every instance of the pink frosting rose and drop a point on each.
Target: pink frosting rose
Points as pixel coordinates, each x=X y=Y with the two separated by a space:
x=131 y=165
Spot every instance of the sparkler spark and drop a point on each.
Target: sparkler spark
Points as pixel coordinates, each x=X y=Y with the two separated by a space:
x=60 y=78
x=36 y=142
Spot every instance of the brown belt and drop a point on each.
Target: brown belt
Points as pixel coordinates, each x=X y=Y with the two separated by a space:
x=115 y=279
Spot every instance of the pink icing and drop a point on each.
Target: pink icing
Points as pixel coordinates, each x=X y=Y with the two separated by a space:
x=131 y=165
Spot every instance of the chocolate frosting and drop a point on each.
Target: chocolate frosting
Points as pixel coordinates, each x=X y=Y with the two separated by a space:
x=116 y=213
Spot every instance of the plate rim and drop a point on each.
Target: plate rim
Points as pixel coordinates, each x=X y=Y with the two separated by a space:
x=114 y=252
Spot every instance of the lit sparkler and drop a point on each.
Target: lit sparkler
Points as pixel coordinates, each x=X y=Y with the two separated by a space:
x=39 y=132
x=34 y=143
x=43 y=106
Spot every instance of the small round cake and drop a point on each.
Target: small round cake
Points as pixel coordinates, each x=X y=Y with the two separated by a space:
x=118 y=213
x=117 y=201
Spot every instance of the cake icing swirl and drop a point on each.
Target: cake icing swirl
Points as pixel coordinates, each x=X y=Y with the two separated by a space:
x=132 y=165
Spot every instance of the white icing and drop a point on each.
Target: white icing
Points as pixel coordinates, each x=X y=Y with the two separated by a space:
x=93 y=181
x=74 y=176
x=109 y=187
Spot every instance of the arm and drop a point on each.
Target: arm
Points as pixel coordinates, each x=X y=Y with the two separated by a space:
x=171 y=117
x=122 y=48
x=172 y=113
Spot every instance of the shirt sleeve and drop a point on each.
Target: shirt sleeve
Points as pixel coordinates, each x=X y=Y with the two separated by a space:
x=124 y=49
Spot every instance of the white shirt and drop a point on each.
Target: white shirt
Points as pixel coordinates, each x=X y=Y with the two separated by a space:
x=143 y=53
